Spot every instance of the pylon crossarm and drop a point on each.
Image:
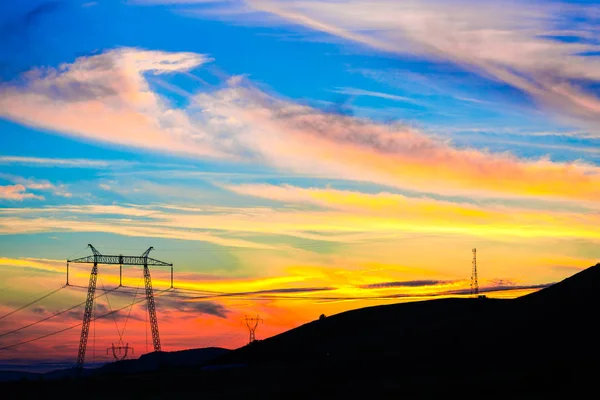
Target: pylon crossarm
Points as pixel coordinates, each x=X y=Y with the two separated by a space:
x=123 y=260
x=98 y=258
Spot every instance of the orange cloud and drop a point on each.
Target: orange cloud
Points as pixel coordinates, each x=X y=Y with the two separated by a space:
x=106 y=97
x=17 y=192
x=303 y=139
x=387 y=211
x=242 y=123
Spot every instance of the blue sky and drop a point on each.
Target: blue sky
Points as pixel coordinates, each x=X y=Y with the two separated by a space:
x=267 y=144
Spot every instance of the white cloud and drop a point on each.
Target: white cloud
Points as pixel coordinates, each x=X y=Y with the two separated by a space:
x=36 y=184
x=504 y=40
x=64 y=162
x=369 y=93
x=107 y=98
x=17 y=193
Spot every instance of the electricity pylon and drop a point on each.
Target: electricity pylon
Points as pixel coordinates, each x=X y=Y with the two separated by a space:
x=98 y=258
x=252 y=324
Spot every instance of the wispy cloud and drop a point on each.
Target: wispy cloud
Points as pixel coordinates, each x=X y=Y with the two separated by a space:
x=40 y=264
x=17 y=193
x=64 y=162
x=105 y=97
x=394 y=211
x=369 y=93
x=193 y=308
x=245 y=124
x=517 y=43
x=38 y=185
x=417 y=283
x=300 y=138
x=326 y=215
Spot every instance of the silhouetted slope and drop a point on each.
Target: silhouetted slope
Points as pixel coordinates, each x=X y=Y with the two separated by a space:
x=562 y=318
x=146 y=363
x=416 y=333
x=163 y=360
x=16 y=375
x=531 y=338
x=578 y=290
x=544 y=344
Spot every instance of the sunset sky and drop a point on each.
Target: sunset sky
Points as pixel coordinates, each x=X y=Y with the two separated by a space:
x=290 y=158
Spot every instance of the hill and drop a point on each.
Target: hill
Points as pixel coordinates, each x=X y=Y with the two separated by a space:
x=146 y=363
x=544 y=344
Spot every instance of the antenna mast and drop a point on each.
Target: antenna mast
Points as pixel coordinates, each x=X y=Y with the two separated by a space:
x=474 y=283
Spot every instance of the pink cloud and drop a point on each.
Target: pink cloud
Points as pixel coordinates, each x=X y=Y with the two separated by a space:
x=305 y=140
x=508 y=41
x=108 y=98
x=17 y=192
x=35 y=184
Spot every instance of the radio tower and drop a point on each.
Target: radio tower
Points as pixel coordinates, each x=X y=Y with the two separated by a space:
x=252 y=324
x=474 y=283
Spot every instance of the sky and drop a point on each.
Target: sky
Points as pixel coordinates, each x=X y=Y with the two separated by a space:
x=290 y=158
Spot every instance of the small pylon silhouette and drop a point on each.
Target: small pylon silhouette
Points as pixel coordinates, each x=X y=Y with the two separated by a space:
x=252 y=324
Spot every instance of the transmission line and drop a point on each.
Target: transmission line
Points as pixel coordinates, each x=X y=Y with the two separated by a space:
x=32 y=303
x=49 y=317
x=110 y=309
x=130 y=308
x=74 y=326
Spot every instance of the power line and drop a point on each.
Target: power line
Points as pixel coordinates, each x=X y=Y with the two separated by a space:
x=74 y=326
x=257 y=296
x=32 y=303
x=130 y=308
x=48 y=317
x=110 y=309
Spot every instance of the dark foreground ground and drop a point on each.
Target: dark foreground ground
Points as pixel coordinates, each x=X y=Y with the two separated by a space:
x=544 y=345
x=539 y=380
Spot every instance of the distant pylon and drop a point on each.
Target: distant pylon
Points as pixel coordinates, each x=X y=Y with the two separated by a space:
x=474 y=283
x=252 y=324
x=122 y=351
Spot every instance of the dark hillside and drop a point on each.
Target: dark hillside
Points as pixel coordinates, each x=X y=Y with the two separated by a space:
x=544 y=345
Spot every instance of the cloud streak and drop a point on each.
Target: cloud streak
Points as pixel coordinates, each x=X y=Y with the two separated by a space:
x=107 y=98
x=517 y=43
x=416 y=283
x=17 y=193
x=193 y=308
x=325 y=215
x=63 y=162
x=41 y=185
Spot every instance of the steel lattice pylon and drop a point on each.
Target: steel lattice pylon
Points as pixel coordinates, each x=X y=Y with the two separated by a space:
x=87 y=316
x=474 y=282
x=151 y=306
x=252 y=324
x=120 y=260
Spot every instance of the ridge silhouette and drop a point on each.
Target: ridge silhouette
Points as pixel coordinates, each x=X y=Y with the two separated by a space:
x=543 y=344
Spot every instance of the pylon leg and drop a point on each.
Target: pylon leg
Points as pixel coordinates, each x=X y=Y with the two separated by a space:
x=151 y=309
x=87 y=316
